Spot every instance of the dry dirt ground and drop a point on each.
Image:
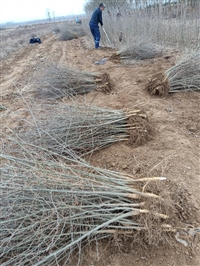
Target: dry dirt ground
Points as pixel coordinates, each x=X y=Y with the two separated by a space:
x=174 y=150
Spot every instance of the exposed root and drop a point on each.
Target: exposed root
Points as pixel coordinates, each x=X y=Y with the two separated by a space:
x=176 y=204
x=115 y=58
x=158 y=85
x=104 y=83
x=140 y=131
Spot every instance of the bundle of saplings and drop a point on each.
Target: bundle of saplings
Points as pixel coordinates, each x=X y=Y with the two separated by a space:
x=69 y=31
x=139 y=49
x=54 y=82
x=50 y=210
x=86 y=129
x=183 y=77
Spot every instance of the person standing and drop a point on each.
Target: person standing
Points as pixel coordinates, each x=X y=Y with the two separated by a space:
x=94 y=24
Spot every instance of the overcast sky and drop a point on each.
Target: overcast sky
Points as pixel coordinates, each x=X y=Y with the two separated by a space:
x=24 y=10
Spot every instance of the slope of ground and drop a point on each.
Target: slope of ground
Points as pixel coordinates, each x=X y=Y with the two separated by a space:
x=174 y=150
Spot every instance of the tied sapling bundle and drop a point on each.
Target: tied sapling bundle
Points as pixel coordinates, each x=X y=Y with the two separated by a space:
x=55 y=82
x=139 y=49
x=183 y=77
x=87 y=129
x=70 y=31
x=48 y=209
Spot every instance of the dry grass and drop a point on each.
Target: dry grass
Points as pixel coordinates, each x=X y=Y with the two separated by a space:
x=18 y=37
x=15 y=38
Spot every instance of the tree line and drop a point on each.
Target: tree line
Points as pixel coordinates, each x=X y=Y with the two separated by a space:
x=141 y=4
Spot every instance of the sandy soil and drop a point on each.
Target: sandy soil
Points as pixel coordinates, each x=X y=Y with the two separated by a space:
x=174 y=150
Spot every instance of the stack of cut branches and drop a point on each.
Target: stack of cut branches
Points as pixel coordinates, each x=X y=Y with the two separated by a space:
x=48 y=209
x=184 y=76
x=87 y=129
x=138 y=50
x=54 y=82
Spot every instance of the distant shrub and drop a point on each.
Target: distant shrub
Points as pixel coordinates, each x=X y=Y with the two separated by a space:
x=56 y=30
x=15 y=44
x=33 y=35
x=21 y=42
x=70 y=32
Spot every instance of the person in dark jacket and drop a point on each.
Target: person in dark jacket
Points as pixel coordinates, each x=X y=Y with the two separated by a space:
x=94 y=24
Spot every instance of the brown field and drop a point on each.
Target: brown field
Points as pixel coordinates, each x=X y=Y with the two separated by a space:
x=173 y=151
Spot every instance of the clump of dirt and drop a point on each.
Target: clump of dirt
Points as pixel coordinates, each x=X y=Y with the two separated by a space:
x=158 y=85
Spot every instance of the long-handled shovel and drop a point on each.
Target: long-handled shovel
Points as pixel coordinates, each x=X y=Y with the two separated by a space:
x=107 y=37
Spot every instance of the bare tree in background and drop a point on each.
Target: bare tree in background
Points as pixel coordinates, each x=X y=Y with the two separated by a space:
x=48 y=14
x=110 y=4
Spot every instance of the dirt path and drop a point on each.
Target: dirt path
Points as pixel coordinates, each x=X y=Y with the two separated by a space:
x=173 y=152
